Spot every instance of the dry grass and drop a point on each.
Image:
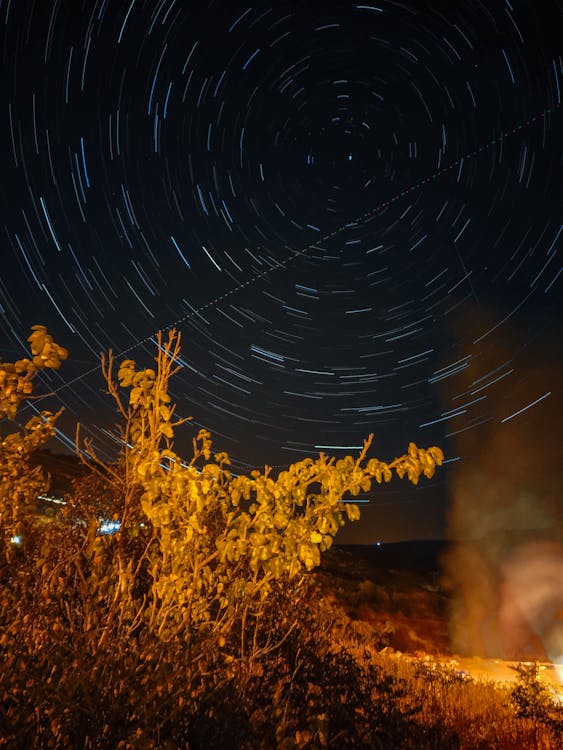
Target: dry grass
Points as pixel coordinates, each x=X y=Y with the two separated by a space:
x=480 y=713
x=330 y=684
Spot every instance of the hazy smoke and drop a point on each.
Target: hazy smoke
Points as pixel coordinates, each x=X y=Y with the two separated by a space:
x=505 y=572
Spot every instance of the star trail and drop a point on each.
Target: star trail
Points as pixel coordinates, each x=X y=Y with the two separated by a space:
x=345 y=209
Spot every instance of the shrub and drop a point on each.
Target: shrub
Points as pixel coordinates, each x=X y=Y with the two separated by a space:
x=136 y=639
x=20 y=485
x=202 y=547
x=534 y=700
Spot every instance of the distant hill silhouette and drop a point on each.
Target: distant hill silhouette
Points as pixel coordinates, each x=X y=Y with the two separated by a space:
x=61 y=467
x=416 y=555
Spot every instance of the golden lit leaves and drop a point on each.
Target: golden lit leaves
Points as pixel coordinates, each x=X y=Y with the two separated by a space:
x=20 y=485
x=46 y=353
x=418 y=461
x=126 y=373
x=218 y=541
x=16 y=377
x=353 y=512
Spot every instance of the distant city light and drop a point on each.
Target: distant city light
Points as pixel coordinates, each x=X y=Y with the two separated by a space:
x=109 y=527
x=51 y=499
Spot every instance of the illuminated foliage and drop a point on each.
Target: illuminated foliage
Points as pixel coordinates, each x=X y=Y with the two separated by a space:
x=197 y=623
x=212 y=542
x=16 y=377
x=203 y=588
x=19 y=483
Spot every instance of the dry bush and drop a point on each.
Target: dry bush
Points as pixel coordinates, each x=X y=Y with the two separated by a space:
x=480 y=714
x=195 y=624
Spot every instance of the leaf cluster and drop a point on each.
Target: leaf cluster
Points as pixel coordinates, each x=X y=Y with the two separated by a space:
x=16 y=377
x=20 y=484
x=218 y=541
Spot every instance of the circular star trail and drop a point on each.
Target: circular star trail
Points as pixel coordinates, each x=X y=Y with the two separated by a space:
x=351 y=212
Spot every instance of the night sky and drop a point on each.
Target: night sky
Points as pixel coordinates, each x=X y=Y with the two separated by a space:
x=351 y=212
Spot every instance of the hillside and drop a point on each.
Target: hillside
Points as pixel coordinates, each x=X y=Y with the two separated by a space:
x=391 y=593
x=62 y=468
